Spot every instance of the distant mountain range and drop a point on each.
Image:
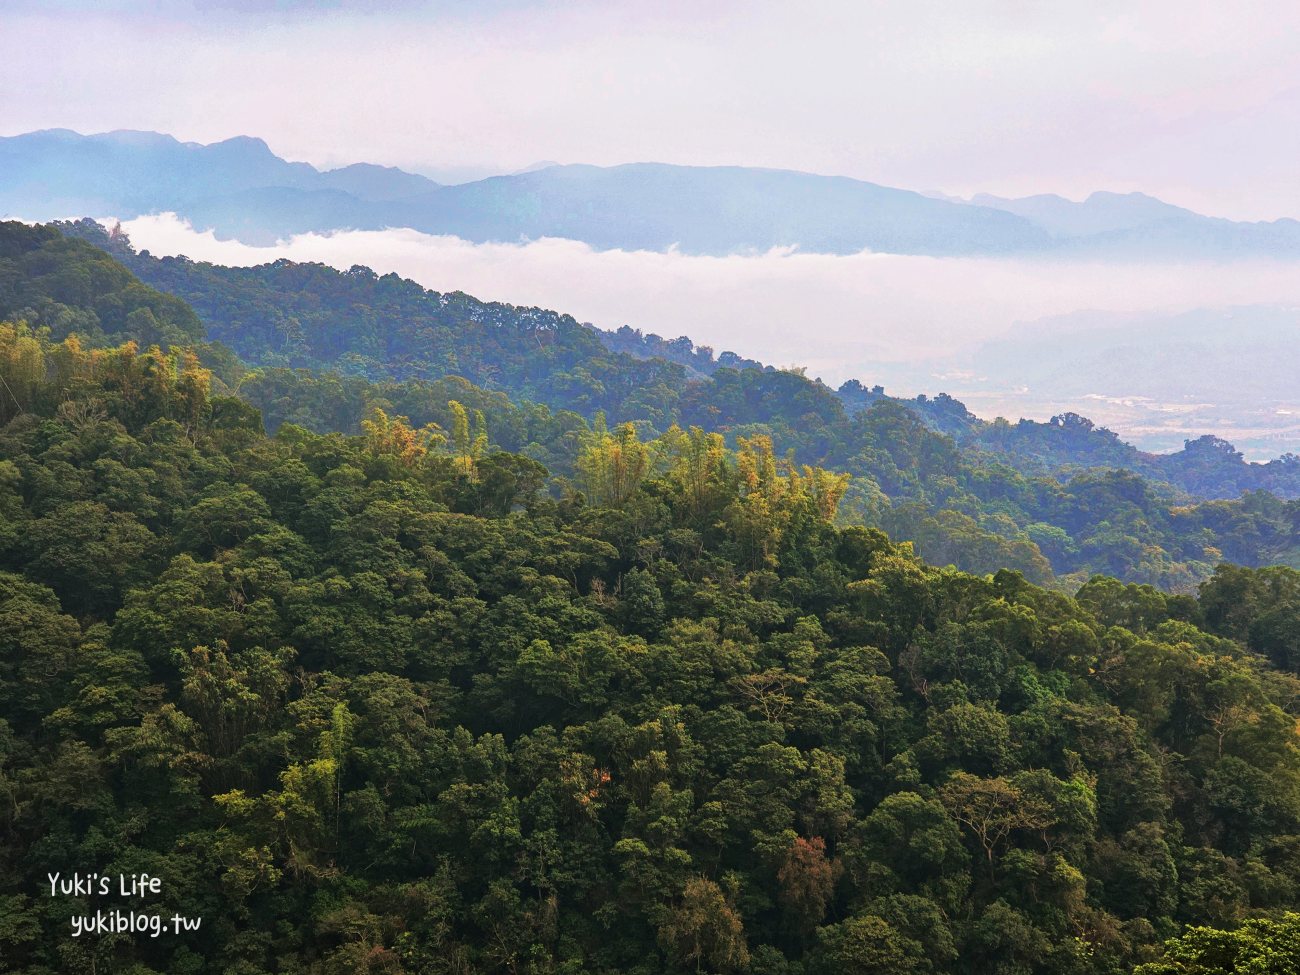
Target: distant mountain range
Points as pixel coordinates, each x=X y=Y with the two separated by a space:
x=240 y=189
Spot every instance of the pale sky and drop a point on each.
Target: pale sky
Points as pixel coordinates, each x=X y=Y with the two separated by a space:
x=1198 y=103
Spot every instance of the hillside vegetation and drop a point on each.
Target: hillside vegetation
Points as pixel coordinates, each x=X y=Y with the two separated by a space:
x=379 y=703
x=1057 y=501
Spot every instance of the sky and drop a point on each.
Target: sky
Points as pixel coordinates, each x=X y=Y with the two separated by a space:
x=1198 y=103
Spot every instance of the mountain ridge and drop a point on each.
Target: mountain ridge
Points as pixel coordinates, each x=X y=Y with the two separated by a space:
x=239 y=188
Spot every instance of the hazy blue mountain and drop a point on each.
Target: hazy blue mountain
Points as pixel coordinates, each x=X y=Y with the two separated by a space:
x=367 y=181
x=241 y=189
x=50 y=173
x=1137 y=225
x=57 y=172
x=711 y=210
x=1100 y=213
x=646 y=206
x=541 y=164
x=262 y=215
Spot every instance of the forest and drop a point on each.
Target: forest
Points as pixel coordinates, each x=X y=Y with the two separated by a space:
x=398 y=673
x=1058 y=501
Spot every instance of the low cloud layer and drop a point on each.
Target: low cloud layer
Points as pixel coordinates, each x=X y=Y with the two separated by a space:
x=876 y=317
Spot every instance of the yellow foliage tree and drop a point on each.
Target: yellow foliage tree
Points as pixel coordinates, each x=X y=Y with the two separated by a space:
x=22 y=368
x=395 y=437
x=612 y=465
x=698 y=463
x=467 y=448
x=772 y=492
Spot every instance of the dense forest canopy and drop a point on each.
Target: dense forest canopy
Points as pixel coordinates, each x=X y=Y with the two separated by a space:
x=68 y=287
x=380 y=703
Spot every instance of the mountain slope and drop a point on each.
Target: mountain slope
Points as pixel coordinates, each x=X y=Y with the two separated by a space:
x=1046 y=499
x=375 y=704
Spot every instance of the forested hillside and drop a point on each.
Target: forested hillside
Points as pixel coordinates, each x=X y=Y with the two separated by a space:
x=315 y=317
x=380 y=703
x=1058 y=500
